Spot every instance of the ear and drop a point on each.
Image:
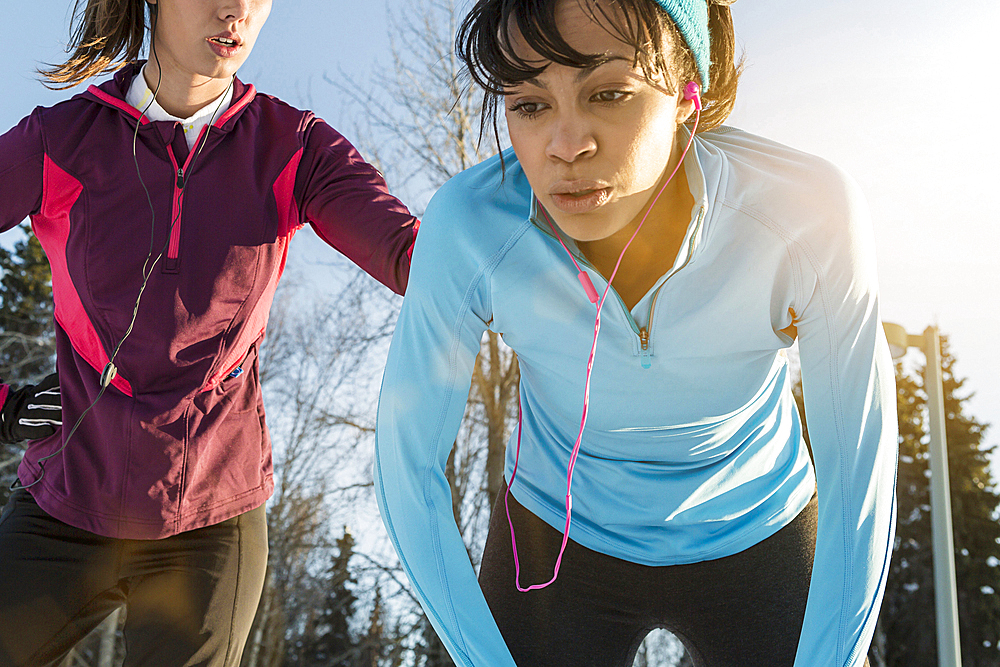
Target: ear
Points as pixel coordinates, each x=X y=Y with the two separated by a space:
x=685 y=108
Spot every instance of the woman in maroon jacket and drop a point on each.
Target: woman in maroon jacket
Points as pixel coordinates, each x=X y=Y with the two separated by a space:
x=165 y=199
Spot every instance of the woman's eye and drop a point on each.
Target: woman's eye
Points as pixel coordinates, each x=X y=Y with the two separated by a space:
x=526 y=109
x=611 y=96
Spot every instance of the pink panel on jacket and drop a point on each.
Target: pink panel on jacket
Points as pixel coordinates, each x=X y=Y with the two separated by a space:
x=59 y=193
x=288 y=223
x=121 y=105
x=246 y=99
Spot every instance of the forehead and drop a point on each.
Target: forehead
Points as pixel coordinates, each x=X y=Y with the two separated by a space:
x=584 y=26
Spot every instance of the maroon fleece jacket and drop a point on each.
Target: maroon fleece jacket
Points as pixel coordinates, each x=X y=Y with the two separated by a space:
x=178 y=441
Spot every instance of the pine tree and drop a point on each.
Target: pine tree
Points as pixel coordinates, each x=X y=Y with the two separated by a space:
x=907 y=617
x=432 y=652
x=331 y=642
x=906 y=621
x=27 y=335
x=974 y=506
x=381 y=646
x=373 y=644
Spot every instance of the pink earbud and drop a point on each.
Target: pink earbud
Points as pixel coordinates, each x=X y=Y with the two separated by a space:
x=692 y=91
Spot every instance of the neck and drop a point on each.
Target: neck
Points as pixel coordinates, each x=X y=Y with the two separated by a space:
x=654 y=249
x=670 y=213
x=182 y=94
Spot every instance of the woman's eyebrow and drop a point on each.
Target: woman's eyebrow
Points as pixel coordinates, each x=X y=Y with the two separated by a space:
x=602 y=60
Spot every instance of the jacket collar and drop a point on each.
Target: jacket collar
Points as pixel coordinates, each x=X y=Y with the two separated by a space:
x=112 y=93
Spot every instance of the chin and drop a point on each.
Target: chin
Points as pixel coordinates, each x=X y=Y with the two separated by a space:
x=589 y=237
x=220 y=68
x=585 y=227
x=581 y=232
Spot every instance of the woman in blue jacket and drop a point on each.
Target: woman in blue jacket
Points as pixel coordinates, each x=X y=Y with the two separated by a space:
x=649 y=267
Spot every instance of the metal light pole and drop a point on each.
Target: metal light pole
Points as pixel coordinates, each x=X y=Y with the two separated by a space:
x=945 y=589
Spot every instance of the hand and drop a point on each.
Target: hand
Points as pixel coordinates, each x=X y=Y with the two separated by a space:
x=31 y=412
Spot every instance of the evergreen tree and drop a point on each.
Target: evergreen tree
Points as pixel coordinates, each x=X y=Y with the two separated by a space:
x=330 y=642
x=906 y=621
x=907 y=618
x=27 y=336
x=373 y=645
x=432 y=652
x=975 y=498
x=381 y=646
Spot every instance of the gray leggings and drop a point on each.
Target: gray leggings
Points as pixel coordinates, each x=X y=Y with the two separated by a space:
x=190 y=599
x=744 y=610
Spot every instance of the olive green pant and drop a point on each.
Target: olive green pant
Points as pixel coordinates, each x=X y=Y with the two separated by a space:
x=189 y=599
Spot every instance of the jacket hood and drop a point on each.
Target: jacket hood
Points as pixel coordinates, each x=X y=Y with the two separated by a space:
x=112 y=93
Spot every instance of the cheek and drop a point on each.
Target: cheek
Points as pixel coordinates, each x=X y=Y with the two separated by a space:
x=528 y=145
x=646 y=152
x=263 y=10
x=172 y=34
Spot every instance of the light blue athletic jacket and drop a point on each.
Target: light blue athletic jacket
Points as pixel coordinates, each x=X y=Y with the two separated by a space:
x=693 y=448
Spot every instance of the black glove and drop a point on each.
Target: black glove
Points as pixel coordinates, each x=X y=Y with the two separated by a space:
x=31 y=412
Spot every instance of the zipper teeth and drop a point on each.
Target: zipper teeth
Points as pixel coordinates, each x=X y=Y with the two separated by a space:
x=656 y=294
x=180 y=177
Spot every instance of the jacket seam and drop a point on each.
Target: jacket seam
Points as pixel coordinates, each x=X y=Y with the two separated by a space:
x=128 y=461
x=428 y=476
x=227 y=337
x=830 y=328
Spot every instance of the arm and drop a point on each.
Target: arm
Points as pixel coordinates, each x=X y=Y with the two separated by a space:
x=21 y=160
x=849 y=389
x=348 y=204
x=423 y=398
x=32 y=411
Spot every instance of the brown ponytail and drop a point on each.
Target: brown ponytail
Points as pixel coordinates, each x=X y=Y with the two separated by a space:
x=725 y=70
x=104 y=36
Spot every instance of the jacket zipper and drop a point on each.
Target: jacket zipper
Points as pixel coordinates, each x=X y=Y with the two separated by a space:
x=645 y=356
x=172 y=262
x=644 y=353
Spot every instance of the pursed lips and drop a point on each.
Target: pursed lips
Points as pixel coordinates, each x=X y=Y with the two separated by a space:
x=579 y=195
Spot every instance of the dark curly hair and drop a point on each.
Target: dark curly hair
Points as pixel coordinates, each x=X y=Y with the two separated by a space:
x=484 y=45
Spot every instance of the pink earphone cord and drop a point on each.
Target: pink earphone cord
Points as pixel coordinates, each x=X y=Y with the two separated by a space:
x=691 y=92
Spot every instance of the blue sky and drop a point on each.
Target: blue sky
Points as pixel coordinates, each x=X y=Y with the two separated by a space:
x=898 y=93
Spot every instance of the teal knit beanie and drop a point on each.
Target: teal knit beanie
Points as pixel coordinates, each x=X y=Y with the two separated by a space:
x=691 y=19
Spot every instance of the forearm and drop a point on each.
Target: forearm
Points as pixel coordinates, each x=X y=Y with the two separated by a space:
x=347 y=202
x=850 y=407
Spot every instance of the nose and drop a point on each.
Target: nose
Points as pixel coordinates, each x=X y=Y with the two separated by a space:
x=234 y=10
x=571 y=139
